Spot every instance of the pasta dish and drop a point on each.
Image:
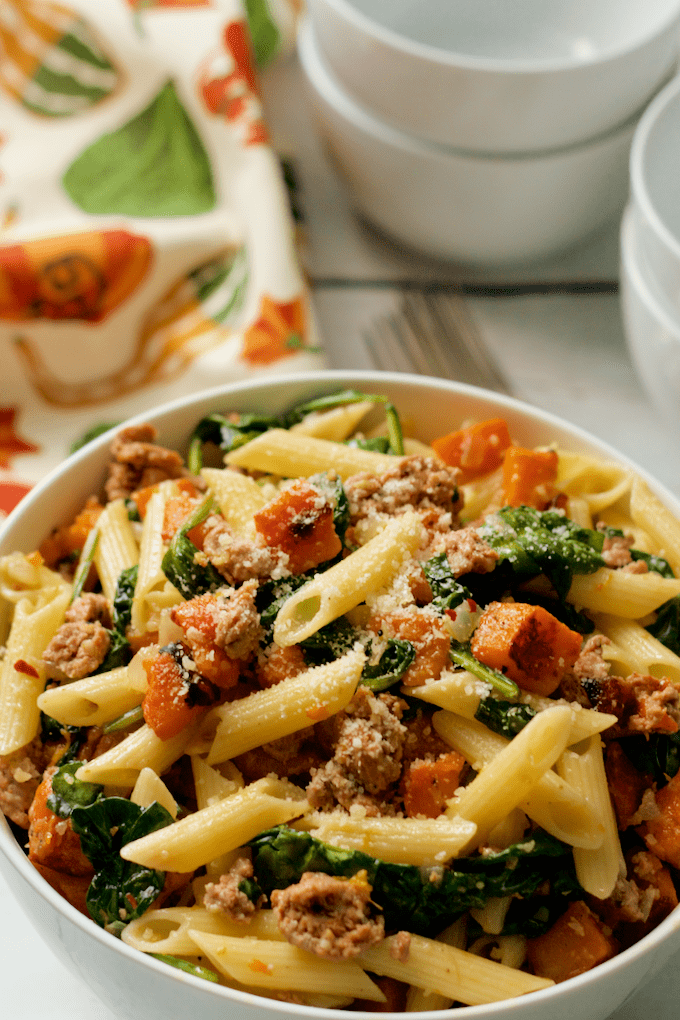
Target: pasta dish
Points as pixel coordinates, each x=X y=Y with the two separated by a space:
x=320 y=712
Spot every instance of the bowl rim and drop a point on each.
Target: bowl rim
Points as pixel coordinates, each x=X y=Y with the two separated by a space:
x=326 y=83
x=638 y=275
x=327 y=381
x=668 y=95
x=404 y=46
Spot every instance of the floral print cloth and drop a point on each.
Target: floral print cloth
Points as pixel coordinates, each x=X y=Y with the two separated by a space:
x=147 y=247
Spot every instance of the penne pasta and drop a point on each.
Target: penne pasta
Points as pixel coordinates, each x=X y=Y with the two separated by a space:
x=636 y=650
x=116 y=549
x=93 y=701
x=278 y=965
x=631 y=596
x=238 y=497
x=399 y=840
x=289 y=706
x=294 y=456
x=343 y=586
x=202 y=836
x=462 y=976
x=121 y=765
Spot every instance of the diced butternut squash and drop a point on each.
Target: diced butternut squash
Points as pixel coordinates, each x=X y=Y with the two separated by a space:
x=172 y=701
x=427 y=785
x=626 y=783
x=142 y=496
x=426 y=633
x=576 y=943
x=529 y=477
x=299 y=521
x=527 y=644
x=67 y=542
x=662 y=834
x=198 y=618
x=51 y=840
x=476 y=450
x=280 y=664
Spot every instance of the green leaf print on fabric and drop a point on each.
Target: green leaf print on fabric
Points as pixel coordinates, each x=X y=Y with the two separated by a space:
x=264 y=32
x=155 y=165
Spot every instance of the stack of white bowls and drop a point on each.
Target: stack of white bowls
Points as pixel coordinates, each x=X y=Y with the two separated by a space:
x=650 y=253
x=485 y=132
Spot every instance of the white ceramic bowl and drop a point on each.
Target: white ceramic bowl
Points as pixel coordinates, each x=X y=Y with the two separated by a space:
x=137 y=987
x=652 y=329
x=459 y=206
x=500 y=77
x=655 y=188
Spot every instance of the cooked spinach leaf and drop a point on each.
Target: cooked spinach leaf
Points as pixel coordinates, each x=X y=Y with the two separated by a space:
x=124 y=721
x=329 y=643
x=269 y=598
x=504 y=717
x=84 y=563
x=68 y=792
x=120 y=651
x=230 y=432
x=51 y=730
x=391 y=666
x=666 y=627
x=335 y=490
x=394 y=432
x=377 y=444
x=180 y=564
x=532 y=542
x=120 y=890
x=462 y=656
x=446 y=590
x=92 y=433
x=656 y=563
x=430 y=898
x=654 y=754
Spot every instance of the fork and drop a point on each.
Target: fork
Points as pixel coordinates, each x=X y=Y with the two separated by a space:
x=433 y=333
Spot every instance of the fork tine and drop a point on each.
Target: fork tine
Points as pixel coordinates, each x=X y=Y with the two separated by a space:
x=451 y=312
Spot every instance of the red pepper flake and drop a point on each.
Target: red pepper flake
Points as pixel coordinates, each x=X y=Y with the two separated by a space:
x=131 y=900
x=21 y=666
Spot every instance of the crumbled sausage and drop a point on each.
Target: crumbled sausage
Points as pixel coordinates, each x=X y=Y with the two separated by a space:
x=400 y=946
x=237 y=621
x=417 y=482
x=328 y=916
x=465 y=551
x=89 y=608
x=239 y=559
x=225 y=895
x=642 y=704
x=79 y=647
x=367 y=756
x=20 y=775
x=137 y=462
x=590 y=666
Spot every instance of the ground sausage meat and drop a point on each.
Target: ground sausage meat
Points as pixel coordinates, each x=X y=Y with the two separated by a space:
x=80 y=645
x=328 y=916
x=225 y=895
x=420 y=483
x=465 y=551
x=137 y=462
x=368 y=753
x=239 y=559
x=20 y=776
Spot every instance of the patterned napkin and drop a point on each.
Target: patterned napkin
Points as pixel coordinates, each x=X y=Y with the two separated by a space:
x=147 y=247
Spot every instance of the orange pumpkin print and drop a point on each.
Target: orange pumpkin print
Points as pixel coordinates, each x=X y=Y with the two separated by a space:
x=78 y=276
x=278 y=332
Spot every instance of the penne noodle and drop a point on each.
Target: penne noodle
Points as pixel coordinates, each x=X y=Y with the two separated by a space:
x=343 y=586
x=121 y=765
x=202 y=836
x=552 y=803
x=149 y=788
x=116 y=549
x=238 y=497
x=649 y=512
x=166 y=930
x=294 y=456
x=622 y=594
x=416 y=841
x=93 y=701
x=291 y=705
x=335 y=425
x=278 y=965
x=636 y=650
x=462 y=976
x=596 y=870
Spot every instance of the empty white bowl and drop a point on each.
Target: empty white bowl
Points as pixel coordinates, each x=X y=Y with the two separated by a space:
x=499 y=77
x=138 y=987
x=464 y=207
x=651 y=328
x=655 y=189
